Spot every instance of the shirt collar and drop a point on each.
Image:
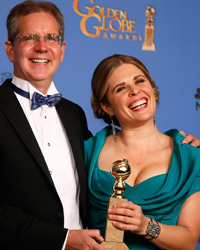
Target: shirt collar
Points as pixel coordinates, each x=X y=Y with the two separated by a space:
x=28 y=87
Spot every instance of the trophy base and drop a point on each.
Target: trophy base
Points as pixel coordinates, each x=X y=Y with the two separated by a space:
x=148 y=47
x=114 y=245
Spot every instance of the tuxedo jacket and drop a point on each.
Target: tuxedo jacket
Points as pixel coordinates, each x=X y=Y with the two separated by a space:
x=31 y=213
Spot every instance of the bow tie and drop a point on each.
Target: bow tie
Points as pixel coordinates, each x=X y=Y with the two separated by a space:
x=38 y=100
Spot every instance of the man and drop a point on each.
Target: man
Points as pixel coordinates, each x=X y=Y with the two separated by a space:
x=42 y=177
x=43 y=181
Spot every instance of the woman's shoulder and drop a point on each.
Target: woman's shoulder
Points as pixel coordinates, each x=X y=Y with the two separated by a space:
x=102 y=134
x=174 y=133
x=93 y=145
x=97 y=140
x=178 y=137
x=187 y=154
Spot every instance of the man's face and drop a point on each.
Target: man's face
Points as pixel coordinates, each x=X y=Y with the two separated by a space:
x=38 y=61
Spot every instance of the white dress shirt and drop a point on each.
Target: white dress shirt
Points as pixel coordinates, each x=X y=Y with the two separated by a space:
x=54 y=144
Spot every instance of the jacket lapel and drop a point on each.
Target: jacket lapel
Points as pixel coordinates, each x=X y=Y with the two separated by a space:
x=74 y=138
x=15 y=115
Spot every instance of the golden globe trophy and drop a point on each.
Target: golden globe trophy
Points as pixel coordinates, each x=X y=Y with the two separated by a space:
x=120 y=170
x=149 y=29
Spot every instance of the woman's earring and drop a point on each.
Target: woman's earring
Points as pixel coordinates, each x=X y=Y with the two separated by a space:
x=113 y=129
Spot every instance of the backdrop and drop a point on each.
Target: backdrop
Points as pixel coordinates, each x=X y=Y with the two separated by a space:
x=96 y=29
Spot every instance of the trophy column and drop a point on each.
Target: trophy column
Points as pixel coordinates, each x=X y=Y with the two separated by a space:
x=149 y=30
x=120 y=170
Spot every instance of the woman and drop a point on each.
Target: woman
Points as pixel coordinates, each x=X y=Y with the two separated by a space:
x=164 y=186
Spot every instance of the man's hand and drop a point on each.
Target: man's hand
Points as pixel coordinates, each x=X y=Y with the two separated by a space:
x=84 y=240
x=190 y=138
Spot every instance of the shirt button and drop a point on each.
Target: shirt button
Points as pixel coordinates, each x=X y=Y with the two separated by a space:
x=49 y=144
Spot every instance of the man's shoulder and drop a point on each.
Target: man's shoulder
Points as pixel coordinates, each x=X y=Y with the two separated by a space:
x=71 y=109
x=5 y=83
x=66 y=103
x=5 y=90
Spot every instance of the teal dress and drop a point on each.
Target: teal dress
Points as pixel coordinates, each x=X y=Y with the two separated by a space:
x=160 y=197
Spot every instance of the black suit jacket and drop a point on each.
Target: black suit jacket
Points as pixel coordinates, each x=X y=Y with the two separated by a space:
x=31 y=213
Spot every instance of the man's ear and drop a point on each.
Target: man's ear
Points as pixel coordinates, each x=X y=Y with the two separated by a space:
x=63 y=46
x=107 y=109
x=9 y=50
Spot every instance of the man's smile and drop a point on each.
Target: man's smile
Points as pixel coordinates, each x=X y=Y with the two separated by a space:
x=40 y=61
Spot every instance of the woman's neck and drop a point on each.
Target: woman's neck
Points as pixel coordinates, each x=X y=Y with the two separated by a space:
x=140 y=138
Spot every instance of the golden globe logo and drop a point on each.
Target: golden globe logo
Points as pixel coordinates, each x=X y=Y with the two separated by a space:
x=109 y=22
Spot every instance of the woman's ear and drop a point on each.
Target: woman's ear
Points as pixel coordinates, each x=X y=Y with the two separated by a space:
x=107 y=109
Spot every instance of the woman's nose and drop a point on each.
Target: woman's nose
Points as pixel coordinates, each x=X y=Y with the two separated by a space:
x=134 y=91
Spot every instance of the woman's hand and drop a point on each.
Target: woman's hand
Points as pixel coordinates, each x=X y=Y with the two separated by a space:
x=128 y=216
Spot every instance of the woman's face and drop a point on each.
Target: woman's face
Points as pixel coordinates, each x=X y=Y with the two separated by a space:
x=130 y=96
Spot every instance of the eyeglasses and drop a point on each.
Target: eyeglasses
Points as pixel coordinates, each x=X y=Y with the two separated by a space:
x=50 y=39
